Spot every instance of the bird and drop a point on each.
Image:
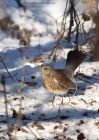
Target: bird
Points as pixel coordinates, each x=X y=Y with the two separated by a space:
x=60 y=81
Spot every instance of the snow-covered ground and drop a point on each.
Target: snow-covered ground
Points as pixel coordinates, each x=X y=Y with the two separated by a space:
x=77 y=119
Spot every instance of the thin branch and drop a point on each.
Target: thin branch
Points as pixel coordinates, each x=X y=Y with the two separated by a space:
x=6 y=107
x=20 y=4
x=7 y=69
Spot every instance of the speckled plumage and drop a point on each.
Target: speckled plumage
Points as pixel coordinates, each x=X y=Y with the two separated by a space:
x=59 y=81
x=56 y=81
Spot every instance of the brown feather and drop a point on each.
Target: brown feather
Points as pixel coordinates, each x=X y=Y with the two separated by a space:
x=75 y=58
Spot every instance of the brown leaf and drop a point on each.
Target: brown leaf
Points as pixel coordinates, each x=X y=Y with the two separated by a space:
x=56 y=137
x=31 y=84
x=73 y=103
x=34 y=124
x=81 y=136
x=40 y=127
x=85 y=17
x=78 y=130
x=69 y=138
x=18 y=128
x=81 y=122
x=65 y=129
x=92 y=102
x=37 y=60
x=24 y=130
x=97 y=124
x=15 y=98
x=56 y=127
x=84 y=100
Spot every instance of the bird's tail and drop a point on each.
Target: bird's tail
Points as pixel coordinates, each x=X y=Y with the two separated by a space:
x=74 y=59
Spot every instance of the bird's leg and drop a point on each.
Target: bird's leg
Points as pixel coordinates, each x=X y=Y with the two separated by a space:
x=52 y=100
x=73 y=94
x=68 y=100
x=62 y=103
x=59 y=112
x=75 y=90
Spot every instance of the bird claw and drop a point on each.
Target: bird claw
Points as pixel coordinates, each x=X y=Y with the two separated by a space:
x=52 y=100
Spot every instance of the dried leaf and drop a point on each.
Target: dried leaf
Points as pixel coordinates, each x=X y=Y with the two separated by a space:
x=37 y=60
x=81 y=136
x=31 y=84
x=84 y=100
x=56 y=127
x=18 y=128
x=73 y=103
x=40 y=127
x=24 y=130
x=81 y=122
x=92 y=102
x=78 y=130
x=85 y=17
x=97 y=123
x=69 y=138
x=15 y=98
x=56 y=137
x=65 y=129
x=34 y=124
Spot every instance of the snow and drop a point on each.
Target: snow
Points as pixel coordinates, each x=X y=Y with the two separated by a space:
x=44 y=120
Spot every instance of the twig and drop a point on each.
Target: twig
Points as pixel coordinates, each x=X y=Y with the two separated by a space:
x=20 y=4
x=6 y=107
x=32 y=132
x=7 y=69
x=71 y=12
x=84 y=101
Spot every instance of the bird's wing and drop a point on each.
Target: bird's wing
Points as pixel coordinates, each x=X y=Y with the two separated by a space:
x=75 y=58
x=61 y=79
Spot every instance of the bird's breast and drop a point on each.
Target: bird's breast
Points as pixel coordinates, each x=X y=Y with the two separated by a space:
x=53 y=87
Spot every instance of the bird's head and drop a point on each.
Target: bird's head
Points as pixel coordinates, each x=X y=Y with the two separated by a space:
x=46 y=70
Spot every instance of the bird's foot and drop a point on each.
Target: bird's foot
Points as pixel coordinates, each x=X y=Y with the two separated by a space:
x=52 y=100
x=62 y=102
